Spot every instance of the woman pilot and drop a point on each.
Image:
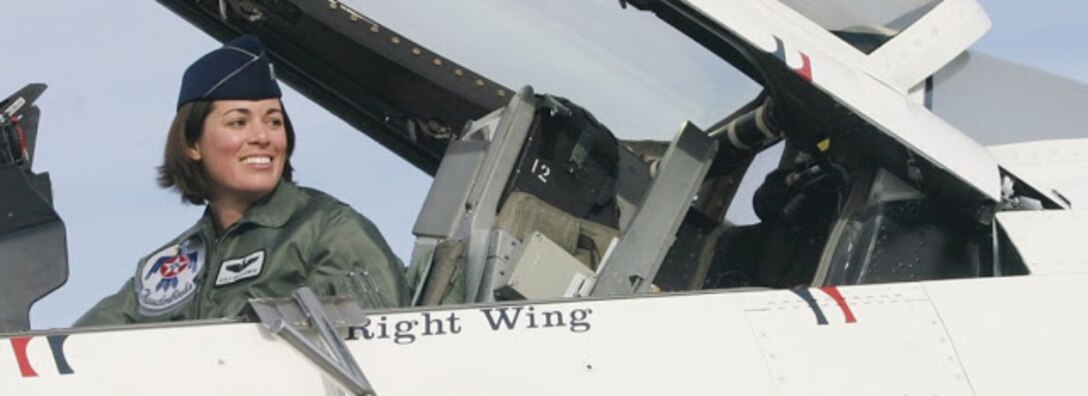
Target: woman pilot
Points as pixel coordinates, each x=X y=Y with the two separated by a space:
x=261 y=235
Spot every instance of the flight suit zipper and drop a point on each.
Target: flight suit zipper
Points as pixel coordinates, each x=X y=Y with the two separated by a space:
x=210 y=249
x=214 y=266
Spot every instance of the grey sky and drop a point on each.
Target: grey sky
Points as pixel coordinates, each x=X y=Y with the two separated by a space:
x=113 y=73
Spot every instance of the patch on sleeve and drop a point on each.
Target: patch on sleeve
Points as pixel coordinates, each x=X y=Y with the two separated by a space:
x=234 y=270
x=167 y=278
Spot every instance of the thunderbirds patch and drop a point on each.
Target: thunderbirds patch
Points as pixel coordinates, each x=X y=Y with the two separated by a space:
x=234 y=270
x=166 y=278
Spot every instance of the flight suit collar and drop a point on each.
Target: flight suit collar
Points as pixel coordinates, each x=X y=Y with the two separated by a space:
x=273 y=211
x=277 y=208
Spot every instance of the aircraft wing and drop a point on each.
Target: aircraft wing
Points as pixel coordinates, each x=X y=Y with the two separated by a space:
x=832 y=90
x=1000 y=102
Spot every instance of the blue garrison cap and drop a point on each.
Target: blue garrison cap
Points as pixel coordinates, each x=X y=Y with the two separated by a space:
x=238 y=70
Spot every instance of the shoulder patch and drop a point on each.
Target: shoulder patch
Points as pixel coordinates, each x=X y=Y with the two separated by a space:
x=234 y=270
x=167 y=278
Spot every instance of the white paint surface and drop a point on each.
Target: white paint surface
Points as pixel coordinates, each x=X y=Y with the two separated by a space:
x=1003 y=336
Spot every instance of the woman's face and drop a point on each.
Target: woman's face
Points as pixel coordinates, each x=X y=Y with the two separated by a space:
x=243 y=148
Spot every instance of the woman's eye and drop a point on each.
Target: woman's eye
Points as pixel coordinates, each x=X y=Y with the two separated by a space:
x=275 y=122
x=236 y=123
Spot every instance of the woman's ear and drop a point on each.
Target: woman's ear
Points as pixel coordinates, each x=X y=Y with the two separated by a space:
x=193 y=152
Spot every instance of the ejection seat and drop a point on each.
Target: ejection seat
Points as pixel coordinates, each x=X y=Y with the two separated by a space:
x=539 y=200
x=870 y=227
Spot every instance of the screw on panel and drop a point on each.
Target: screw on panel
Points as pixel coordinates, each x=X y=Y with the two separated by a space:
x=395 y=40
x=374 y=28
x=501 y=92
x=437 y=62
x=479 y=82
x=458 y=72
x=333 y=5
x=416 y=51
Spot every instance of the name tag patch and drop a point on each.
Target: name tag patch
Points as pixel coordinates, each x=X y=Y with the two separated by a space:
x=234 y=270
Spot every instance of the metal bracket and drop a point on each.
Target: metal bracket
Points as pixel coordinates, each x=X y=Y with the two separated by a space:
x=283 y=318
x=637 y=257
x=501 y=249
x=495 y=170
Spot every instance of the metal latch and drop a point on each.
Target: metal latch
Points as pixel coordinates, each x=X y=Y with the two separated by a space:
x=284 y=317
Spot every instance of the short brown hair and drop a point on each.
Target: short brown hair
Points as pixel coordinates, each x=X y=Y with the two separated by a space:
x=188 y=176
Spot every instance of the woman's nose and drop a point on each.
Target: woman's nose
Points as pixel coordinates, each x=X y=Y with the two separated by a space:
x=259 y=134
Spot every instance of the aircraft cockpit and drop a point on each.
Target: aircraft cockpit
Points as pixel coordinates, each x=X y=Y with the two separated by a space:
x=538 y=195
x=823 y=196
x=851 y=200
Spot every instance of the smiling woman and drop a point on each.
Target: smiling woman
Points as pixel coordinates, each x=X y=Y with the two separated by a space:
x=240 y=147
x=229 y=147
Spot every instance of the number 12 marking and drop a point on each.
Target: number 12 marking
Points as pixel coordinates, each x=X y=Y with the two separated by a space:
x=542 y=171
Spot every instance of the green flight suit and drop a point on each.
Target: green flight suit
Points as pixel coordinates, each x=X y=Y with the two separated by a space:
x=296 y=237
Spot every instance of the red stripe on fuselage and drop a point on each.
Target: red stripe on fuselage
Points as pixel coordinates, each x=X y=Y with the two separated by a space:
x=806 y=68
x=835 y=295
x=19 y=344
